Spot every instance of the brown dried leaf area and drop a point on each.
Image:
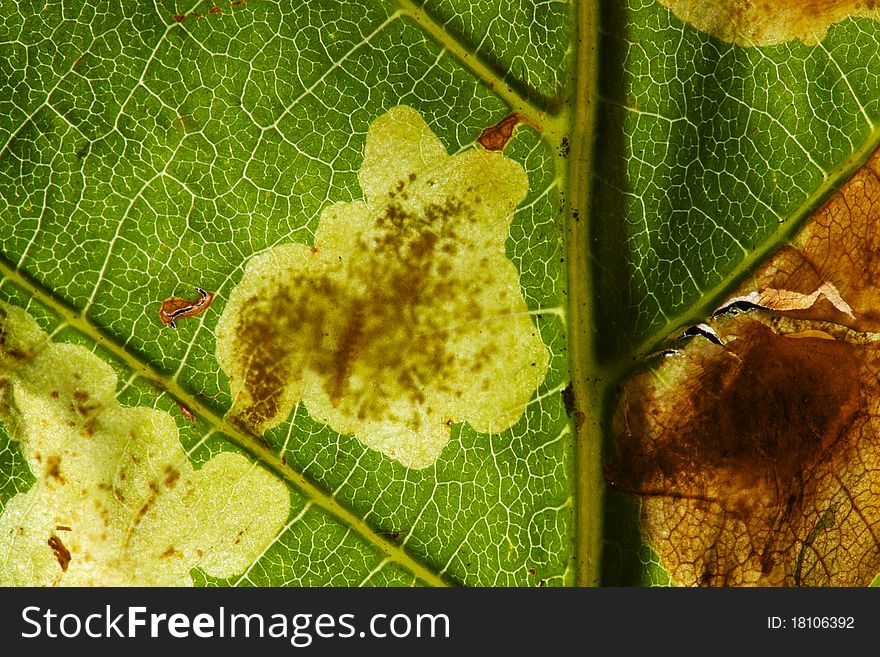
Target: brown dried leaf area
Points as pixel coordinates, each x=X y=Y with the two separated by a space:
x=496 y=137
x=769 y=22
x=758 y=459
x=404 y=317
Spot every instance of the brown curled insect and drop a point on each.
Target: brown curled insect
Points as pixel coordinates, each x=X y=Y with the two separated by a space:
x=495 y=137
x=174 y=308
x=186 y=411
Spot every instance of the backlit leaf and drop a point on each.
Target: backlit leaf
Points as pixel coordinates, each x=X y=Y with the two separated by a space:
x=412 y=252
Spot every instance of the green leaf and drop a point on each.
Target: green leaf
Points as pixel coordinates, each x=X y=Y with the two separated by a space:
x=147 y=152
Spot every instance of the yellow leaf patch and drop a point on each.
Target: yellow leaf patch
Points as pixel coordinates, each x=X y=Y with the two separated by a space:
x=768 y=22
x=404 y=317
x=116 y=500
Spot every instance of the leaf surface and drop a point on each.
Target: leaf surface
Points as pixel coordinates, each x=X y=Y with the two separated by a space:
x=151 y=151
x=727 y=143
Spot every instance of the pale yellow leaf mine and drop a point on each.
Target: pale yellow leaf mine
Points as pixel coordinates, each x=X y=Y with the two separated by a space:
x=404 y=317
x=769 y=22
x=758 y=459
x=116 y=501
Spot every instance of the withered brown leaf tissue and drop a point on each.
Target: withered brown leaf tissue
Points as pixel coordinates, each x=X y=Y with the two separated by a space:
x=758 y=459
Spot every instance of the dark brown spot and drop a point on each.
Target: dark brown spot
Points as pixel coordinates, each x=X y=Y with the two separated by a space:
x=768 y=406
x=179 y=18
x=568 y=399
x=564 y=147
x=82 y=403
x=61 y=552
x=171 y=476
x=172 y=553
x=52 y=469
x=141 y=512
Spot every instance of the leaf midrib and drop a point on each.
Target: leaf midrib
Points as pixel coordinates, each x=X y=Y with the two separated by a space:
x=589 y=480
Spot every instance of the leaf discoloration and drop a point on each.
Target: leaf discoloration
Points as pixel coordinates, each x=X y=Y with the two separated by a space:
x=125 y=490
x=62 y=554
x=769 y=22
x=832 y=262
x=405 y=313
x=738 y=450
x=758 y=459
